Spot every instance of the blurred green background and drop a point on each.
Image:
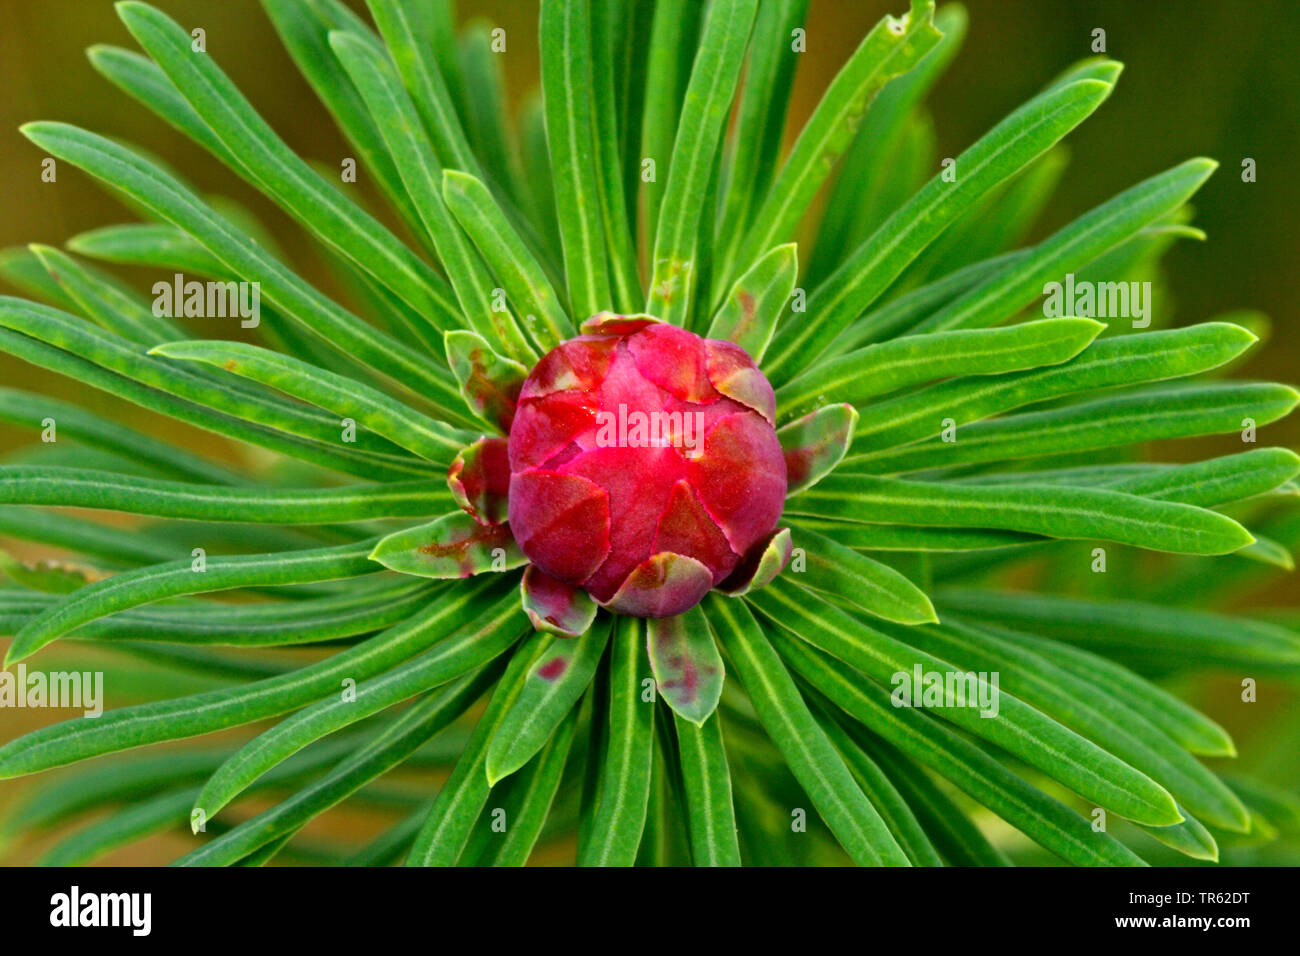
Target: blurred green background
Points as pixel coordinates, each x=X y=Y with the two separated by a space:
x=1202 y=78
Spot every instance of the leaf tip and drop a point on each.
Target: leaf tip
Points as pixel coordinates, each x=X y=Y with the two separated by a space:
x=458 y=177
x=497 y=765
x=128 y=10
x=787 y=251
x=35 y=130
x=18 y=651
x=1091 y=90
x=1246 y=538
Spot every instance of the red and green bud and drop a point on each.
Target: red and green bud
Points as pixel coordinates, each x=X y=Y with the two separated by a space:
x=644 y=466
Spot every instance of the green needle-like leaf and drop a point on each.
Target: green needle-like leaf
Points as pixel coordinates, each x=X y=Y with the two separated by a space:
x=1012 y=144
x=114 y=307
x=952 y=832
x=570 y=131
x=487 y=113
x=1140 y=631
x=687 y=666
x=359 y=610
x=1107 y=363
x=610 y=23
x=142 y=724
x=156 y=245
x=1189 y=838
x=676 y=256
x=860 y=197
x=427 y=62
x=189 y=576
x=892 y=48
x=270 y=421
x=156 y=813
x=20 y=267
x=706 y=779
x=673 y=38
x=1148 y=415
x=537 y=166
x=422 y=177
x=487 y=636
x=368 y=406
x=923 y=738
x=304 y=30
x=1218 y=480
x=295 y=298
x=880 y=791
x=811 y=755
x=906 y=310
x=997 y=222
x=144 y=81
x=1278 y=806
x=88 y=428
x=1015 y=726
x=889 y=366
x=446 y=830
x=549 y=694
x=112 y=547
x=760 y=121
x=624 y=768
x=1072 y=248
x=522 y=276
x=749 y=312
x=1189 y=727
x=876 y=588
x=1214 y=481
x=83 y=488
x=70 y=795
x=453 y=546
x=532 y=794
x=422 y=720
x=277 y=169
x=1090 y=712
x=1081 y=513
